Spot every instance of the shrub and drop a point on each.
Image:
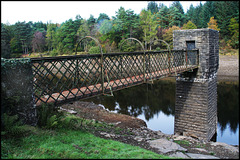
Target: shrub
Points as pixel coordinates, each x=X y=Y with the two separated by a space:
x=129 y=46
x=94 y=50
x=13 y=126
x=54 y=53
x=48 y=116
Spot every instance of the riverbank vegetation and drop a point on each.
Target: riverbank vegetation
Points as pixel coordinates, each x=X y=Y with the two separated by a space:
x=156 y=22
x=63 y=136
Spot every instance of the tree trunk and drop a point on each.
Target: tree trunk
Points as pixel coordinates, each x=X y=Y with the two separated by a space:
x=145 y=40
x=22 y=47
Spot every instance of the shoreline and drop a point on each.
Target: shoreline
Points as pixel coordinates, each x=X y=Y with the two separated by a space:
x=133 y=131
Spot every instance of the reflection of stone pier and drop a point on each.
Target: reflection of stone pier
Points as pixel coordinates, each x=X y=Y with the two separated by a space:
x=196 y=91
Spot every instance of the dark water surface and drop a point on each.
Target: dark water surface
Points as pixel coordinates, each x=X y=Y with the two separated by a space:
x=155 y=104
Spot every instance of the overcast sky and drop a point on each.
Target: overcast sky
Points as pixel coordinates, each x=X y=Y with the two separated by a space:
x=60 y=11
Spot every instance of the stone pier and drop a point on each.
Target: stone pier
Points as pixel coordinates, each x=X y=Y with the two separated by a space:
x=196 y=91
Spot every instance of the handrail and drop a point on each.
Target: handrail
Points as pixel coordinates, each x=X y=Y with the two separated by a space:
x=144 y=55
x=139 y=58
x=169 y=53
x=101 y=60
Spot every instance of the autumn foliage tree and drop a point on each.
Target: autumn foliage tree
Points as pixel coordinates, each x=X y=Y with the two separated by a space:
x=168 y=36
x=213 y=24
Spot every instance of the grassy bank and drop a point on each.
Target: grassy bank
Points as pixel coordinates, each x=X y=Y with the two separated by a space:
x=67 y=141
x=71 y=144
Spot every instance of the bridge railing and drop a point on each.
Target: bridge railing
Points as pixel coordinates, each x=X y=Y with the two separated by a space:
x=57 y=79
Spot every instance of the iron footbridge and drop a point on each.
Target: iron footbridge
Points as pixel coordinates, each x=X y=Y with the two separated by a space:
x=66 y=78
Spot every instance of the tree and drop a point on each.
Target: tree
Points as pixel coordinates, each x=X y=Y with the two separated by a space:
x=5 y=42
x=234 y=30
x=66 y=37
x=213 y=24
x=196 y=14
x=207 y=12
x=190 y=13
x=189 y=25
x=180 y=13
x=91 y=24
x=102 y=17
x=50 y=36
x=132 y=23
x=106 y=26
x=174 y=17
x=83 y=31
x=23 y=34
x=125 y=23
x=168 y=36
x=38 y=41
x=178 y=5
x=38 y=26
x=149 y=27
x=225 y=10
x=162 y=17
x=153 y=7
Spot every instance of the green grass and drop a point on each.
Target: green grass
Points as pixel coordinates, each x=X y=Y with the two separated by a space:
x=73 y=144
x=182 y=142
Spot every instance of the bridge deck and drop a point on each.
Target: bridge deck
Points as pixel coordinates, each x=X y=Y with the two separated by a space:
x=96 y=89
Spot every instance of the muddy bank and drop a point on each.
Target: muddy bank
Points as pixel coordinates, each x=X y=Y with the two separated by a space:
x=135 y=132
x=228 y=68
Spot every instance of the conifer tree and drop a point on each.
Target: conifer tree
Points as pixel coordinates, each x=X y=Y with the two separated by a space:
x=225 y=10
x=196 y=14
x=190 y=13
x=162 y=17
x=5 y=42
x=153 y=7
x=208 y=11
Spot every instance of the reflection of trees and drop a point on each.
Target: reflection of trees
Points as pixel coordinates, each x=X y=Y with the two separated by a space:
x=228 y=106
x=144 y=99
x=150 y=99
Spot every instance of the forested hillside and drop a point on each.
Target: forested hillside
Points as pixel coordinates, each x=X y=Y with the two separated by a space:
x=156 y=22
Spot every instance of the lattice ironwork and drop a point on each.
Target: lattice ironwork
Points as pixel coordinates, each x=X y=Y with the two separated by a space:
x=73 y=77
x=62 y=78
x=123 y=69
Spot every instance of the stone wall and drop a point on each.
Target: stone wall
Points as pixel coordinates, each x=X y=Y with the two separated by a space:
x=17 y=89
x=196 y=92
x=196 y=107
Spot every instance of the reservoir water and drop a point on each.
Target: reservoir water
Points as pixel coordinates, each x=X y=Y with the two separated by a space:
x=155 y=104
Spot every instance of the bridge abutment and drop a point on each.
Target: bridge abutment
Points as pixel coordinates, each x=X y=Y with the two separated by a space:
x=196 y=91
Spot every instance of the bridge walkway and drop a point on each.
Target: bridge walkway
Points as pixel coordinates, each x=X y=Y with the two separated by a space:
x=61 y=79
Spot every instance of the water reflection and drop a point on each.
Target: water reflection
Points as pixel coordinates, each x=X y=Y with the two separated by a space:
x=228 y=106
x=155 y=103
x=147 y=99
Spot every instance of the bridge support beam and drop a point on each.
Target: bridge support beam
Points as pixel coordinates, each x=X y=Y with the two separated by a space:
x=196 y=91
